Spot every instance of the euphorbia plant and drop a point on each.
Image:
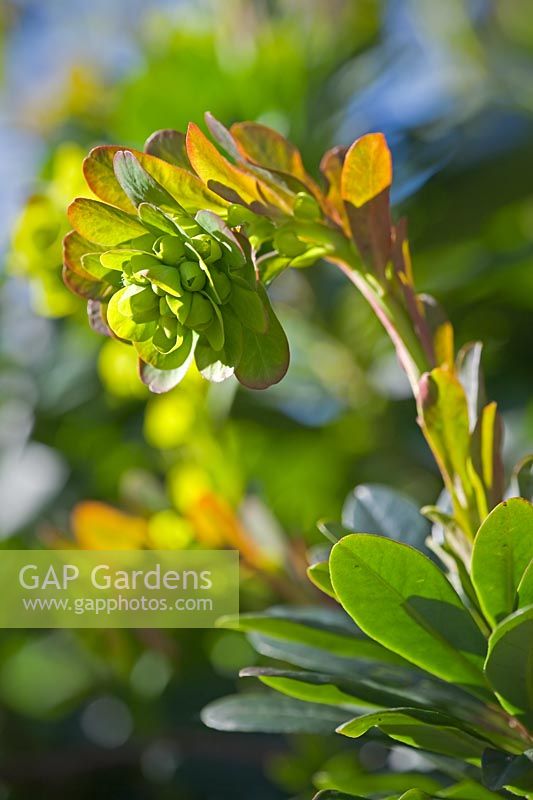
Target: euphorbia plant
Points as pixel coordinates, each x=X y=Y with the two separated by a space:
x=176 y=260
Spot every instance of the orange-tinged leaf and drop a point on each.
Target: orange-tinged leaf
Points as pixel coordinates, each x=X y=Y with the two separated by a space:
x=98 y=526
x=74 y=248
x=216 y=525
x=365 y=182
x=183 y=185
x=103 y=224
x=99 y=174
x=211 y=166
x=367 y=169
x=88 y=288
x=331 y=169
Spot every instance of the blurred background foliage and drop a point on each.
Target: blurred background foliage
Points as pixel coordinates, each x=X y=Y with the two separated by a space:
x=88 y=458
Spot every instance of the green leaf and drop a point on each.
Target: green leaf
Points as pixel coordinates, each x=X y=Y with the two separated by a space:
x=317 y=627
x=402 y=600
x=332 y=794
x=138 y=184
x=101 y=223
x=503 y=549
x=367 y=683
x=271 y=713
x=169 y=145
x=523 y=478
x=249 y=309
x=525 y=588
x=427 y=730
x=156 y=220
x=308 y=686
x=344 y=773
x=88 y=288
x=319 y=575
x=372 y=508
x=265 y=356
x=506 y=771
x=122 y=324
x=509 y=664
x=443 y=411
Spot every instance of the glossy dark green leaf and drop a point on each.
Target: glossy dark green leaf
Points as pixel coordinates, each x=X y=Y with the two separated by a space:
x=402 y=600
x=271 y=713
x=504 y=770
x=509 y=665
x=372 y=508
x=420 y=728
x=344 y=773
x=503 y=549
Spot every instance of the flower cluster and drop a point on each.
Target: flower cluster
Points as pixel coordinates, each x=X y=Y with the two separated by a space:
x=174 y=285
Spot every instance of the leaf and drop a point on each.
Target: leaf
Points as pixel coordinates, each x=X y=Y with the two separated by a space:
x=160 y=381
x=100 y=176
x=471 y=377
x=332 y=794
x=401 y=599
x=101 y=223
x=308 y=686
x=368 y=683
x=185 y=187
x=249 y=309
x=503 y=549
x=269 y=149
x=316 y=627
x=98 y=526
x=265 y=356
x=443 y=412
x=372 y=508
x=365 y=183
x=486 y=452
x=343 y=772
x=331 y=167
x=169 y=145
x=138 y=184
x=523 y=478
x=211 y=166
x=88 y=288
x=123 y=325
x=509 y=664
x=525 y=588
x=270 y=713
x=427 y=730
x=506 y=771
x=319 y=575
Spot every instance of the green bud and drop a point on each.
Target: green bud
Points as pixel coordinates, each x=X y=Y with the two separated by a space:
x=187 y=225
x=170 y=248
x=192 y=276
x=180 y=306
x=287 y=243
x=306 y=207
x=200 y=313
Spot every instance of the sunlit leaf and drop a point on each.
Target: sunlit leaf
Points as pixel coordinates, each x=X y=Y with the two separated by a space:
x=101 y=223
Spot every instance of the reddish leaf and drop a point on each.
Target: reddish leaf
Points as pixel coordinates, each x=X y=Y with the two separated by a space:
x=365 y=184
x=168 y=145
